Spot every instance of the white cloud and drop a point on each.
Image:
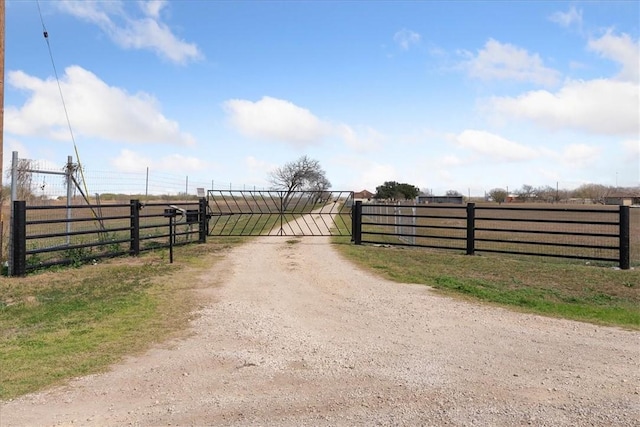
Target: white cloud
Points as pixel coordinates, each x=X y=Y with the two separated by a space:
x=494 y=147
x=600 y=106
x=180 y=163
x=621 y=49
x=9 y=146
x=153 y=8
x=573 y=156
x=548 y=175
x=566 y=19
x=95 y=110
x=257 y=169
x=132 y=161
x=362 y=140
x=405 y=38
x=373 y=174
x=580 y=155
x=277 y=120
x=631 y=148
x=356 y=172
x=145 y=32
x=450 y=161
x=504 y=61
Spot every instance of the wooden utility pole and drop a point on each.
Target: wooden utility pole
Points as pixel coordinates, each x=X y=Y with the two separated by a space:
x=1 y=124
x=1 y=91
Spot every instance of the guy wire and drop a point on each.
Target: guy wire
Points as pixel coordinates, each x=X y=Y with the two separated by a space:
x=64 y=105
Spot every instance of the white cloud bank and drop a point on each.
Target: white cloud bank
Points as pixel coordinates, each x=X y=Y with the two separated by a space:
x=276 y=119
x=129 y=32
x=132 y=161
x=621 y=49
x=606 y=106
x=494 y=147
x=597 y=106
x=631 y=148
x=95 y=110
x=282 y=121
x=504 y=61
x=581 y=155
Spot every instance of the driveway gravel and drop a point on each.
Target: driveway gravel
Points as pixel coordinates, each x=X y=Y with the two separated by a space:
x=291 y=334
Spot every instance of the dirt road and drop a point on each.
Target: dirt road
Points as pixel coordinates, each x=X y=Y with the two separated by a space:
x=294 y=335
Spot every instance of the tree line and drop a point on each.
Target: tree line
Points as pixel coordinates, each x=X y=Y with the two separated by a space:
x=594 y=193
x=306 y=174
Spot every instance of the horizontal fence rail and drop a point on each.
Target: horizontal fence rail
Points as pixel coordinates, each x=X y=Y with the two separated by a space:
x=279 y=213
x=44 y=236
x=598 y=234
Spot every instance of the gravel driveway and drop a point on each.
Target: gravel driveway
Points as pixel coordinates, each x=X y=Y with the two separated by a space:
x=295 y=335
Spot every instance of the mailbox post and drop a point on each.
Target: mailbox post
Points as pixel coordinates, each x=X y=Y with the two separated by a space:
x=171 y=213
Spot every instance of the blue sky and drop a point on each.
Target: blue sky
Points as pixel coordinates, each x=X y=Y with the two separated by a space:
x=464 y=95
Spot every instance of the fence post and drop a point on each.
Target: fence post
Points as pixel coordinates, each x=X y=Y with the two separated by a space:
x=202 y=224
x=624 y=238
x=471 y=228
x=134 y=248
x=18 y=265
x=357 y=223
x=353 y=220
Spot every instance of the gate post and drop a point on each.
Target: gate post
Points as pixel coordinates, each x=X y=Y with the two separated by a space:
x=353 y=221
x=134 y=246
x=202 y=224
x=624 y=238
x=471 y=228
x=18 y=265
x=357 y=223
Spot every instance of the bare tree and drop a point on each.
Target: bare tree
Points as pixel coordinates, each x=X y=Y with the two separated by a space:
x=526 y=193
x=304 y=174
x=593 y=192
x=453 y=193
x=498 y=195
x=24 y=179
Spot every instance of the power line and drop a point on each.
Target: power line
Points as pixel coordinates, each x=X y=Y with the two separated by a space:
x=45 y=33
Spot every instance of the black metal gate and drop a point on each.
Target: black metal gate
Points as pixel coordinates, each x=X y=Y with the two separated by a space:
x=279 y=213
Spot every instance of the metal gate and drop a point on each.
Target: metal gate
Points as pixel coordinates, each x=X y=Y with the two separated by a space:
x=279 y=213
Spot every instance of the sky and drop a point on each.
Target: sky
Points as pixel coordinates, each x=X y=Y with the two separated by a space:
x=444 y=95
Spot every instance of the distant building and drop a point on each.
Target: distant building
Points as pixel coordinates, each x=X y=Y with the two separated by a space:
x=363 y=196
x=456 y=200
x=622 y=199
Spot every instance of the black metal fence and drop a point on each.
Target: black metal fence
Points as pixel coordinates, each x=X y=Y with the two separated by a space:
x=598 y=234
x=44 y=236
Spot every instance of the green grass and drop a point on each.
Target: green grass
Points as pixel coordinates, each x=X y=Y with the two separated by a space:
x=538 y=285
x=61 y=324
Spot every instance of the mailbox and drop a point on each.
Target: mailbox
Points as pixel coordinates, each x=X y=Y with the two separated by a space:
x=193 y=216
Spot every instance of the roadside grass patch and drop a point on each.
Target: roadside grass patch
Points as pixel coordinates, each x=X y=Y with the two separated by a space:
x=549 y=287
x=61 y=324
